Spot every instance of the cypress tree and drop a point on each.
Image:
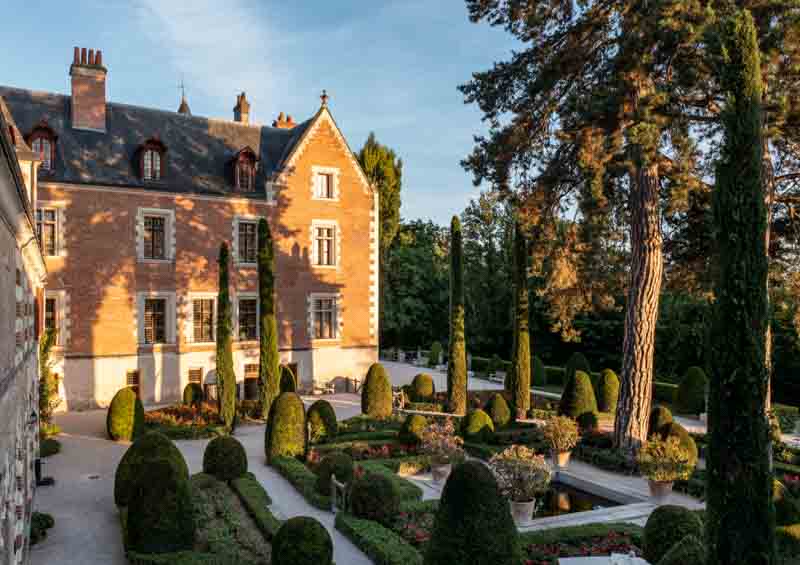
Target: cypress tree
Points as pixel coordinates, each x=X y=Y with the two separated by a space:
x=269 y=363
x=457 y=354
x=226 y=378
x=739 y=514
x=521 y=358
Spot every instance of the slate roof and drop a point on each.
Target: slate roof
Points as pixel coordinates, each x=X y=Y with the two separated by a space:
x=199 y=150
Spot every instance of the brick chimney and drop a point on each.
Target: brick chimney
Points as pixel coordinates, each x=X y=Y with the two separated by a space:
x=241 y=112
x=283 y=122
x=88 y=90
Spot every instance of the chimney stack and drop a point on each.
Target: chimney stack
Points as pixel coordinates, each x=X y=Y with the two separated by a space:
x=241 y=112
x=283 y=122
x=88 y=102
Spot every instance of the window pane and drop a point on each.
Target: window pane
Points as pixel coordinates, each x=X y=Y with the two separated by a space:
x=248 y=242
x=324 y=318
x=148 y=165
x=154 y=237
x=50 y=314
x=248 y=319
x=154 y=320
x=204 y=320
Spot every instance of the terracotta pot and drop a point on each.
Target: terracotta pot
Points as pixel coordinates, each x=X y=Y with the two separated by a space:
x=522 y=512
x=660 y=490
x=440 y=472
x=561 y=459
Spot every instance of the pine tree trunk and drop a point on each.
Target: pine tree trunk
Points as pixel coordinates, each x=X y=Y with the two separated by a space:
x=740 y=519
x=641 y=315
x=521 y=358
x=457 y=356
x=269 y=371
x=768 y=181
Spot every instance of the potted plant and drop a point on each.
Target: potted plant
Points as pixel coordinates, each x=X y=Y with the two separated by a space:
x=523 y=476
x=663 y=462
x=562 y=434
x=443 y=446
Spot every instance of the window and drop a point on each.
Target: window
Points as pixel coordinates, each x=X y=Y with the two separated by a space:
x=155 y=327
x=325 y=245
x=151 y=165
x=248 y=319
x=196 y=376
x=248 y=242
x=324 y=318
x=154 y=237
x=132 y=381
x=50 y=315
x=251 y=371
x=203 y=317
x=323 y=186
x=43 y=148
x=245 y=176
x=46 y=224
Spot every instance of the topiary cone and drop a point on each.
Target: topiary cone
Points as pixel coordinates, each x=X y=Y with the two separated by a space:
x=376 y=393
x=125 y=417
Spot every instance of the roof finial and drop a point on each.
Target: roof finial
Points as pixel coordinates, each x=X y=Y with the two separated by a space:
x=184 y=107
x=324 y=98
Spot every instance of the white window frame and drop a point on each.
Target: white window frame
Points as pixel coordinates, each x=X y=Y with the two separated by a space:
x=169 y=234
x=334 y=172
x=337 y=243
x=189 y=316
x=245 y=296
x=170 y=324
x=235 y=239
x=339 y=317
x=61 y=217
x=62 y=315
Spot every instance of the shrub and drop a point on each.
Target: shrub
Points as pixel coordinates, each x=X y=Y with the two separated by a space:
x=787 y=507
x=125 y=419
x=691 y=396
x=665 y=392
x=336 y=463
x=588 y=422
x=473 y=524
x=376 y=393
x=435 y=354
x=498 y=411
x=688 y=550
x=40 y=523
x=665 y=527
x=577 y=362
x=160 y=514
x=193 y=394
x=674 y=429
x=659 y=417
x=48 y=447
x=477 y=426
x=412 y=429
x=374 y=496
x=578 y=396
x=285 y=434
x=302 y=541
x=322 y=422
x=555 y=375
x=607 y=391
x=665 y=460
x=538 y=372
x=288 y=380
x=225 y=458
x=788 y=539
x=422 y=388
x=561 y=433
x=381 y=544
x=150 y=446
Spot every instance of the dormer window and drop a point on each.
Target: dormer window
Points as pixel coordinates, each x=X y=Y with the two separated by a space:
x=43 y=142
x=244 y=170
x=151 y=161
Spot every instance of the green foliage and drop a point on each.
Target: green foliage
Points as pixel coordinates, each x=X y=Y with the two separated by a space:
x=666 y=526
x=539 y=372
x=788 y=540
x=473 y=523
x=659 y=417
x=675 y=429
x=303 y=479
x=322 y=422
x=374 y=496
x=691 y=397
x=787 y=507
x=257 y=502
x=498 y=411
x=422 y=388
x=226 y=378
x=380 y=544
x=388 y=469
x=288 y=380
x=302 y=541
x=578 y=396
x=225 y=458
x=577 y=362
x=285 y=434
x=193 y=394
x=48 y=447
x=125 y=418
x=337 y=463
x=520 y=378
x=412 y=429
x=665 y=392
x=435 y=354
x=385 y=171
x=48 y=385
x=269 y=372
x=376 y=393
x=607 y=391
x=477 y=427
x=151 y=445
x=588 y=422
x=40 y=523
x=688 y=550
x=457 y=355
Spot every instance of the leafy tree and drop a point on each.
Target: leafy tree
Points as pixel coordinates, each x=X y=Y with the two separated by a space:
x=226 y=378
x=269 y=363
x=48 y=385
x=457 y=357
x=521 y=358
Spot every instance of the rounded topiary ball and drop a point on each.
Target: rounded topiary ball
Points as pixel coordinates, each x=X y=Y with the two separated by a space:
x=538 y=372
x=302 y=541
x=498 y=411
x=577 y=362
x=477 y=426
x=473 y=523
x=691 y=396
x=125 y=418
x=193 y=394
x=787 y=507
x=659 y=417
x=578 y=396
x=687 y=551
x=150 y=446
x=375 y=497
x=376 y=393
x=674 y=429
x=160 y=513
x=665 y=527
x=285 y=434
x=412 y=428
x=337 y=463
x=422 y=388
x=225 y=458
x=607 y=391
x=322 y=422
x=288 y=381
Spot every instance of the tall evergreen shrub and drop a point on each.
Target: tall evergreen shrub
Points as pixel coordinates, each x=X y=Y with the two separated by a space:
x=457 y=355
x=226 y=378
x=521 y=358
x=269 y=362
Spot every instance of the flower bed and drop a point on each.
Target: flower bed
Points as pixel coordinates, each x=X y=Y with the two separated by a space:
x=546 y=547
x=364 y=450
x=181 y=421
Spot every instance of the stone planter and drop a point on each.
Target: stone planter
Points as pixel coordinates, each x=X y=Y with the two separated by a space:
x=522 y=512
x=440 y=472
x=561 y=459
x=660 y=490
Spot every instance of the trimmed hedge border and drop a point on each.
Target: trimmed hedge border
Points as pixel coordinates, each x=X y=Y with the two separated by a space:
x=256 y=500
x=303 y=479
x=407 y=489
x=574 y=534
x=379 y=543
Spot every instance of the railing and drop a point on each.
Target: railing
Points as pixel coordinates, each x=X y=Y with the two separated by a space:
x=340 y=498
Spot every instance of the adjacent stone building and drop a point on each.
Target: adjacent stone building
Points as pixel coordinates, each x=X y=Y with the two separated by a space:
x=22 y=275
x=133 y=204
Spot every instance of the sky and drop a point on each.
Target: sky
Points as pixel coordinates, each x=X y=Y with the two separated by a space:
x=392 y=67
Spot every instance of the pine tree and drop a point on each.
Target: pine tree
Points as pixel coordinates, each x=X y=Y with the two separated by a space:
x=740 y=518
x=269 y=363
x=457 y=355
x=521 y=358
x=226 y=378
